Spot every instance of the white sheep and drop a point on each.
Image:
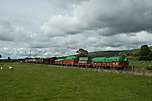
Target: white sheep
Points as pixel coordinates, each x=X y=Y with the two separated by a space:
x=1 y=68
x=10 y=67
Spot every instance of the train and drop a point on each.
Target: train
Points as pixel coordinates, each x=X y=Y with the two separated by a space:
x=40 y=60
x=119 y=62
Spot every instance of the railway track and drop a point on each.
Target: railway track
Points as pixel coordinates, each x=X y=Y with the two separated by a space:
x=129 y=71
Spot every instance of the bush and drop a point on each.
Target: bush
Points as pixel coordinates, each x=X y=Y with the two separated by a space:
x=145 y=53
x=149 y=67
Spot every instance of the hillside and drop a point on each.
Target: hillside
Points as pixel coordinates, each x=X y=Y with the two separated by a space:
x=104 y=53
x=135 y=52
x=130 y=53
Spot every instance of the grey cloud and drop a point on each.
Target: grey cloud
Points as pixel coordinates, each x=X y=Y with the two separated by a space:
x=6 y=31
x=120 y=16
x=12 y=31
x=113 y=17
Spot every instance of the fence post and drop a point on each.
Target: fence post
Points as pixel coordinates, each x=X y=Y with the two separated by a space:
x=132 y=69
x=143 y=71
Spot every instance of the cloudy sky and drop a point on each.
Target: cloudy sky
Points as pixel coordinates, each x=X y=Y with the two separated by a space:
x=60 y=27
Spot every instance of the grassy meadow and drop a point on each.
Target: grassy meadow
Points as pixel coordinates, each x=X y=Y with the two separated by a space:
x=140 y=64
x=44 y=83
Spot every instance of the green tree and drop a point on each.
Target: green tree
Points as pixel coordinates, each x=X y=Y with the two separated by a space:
x=150 y=55
x=9 y=58
x=144 y=53
x=82 y=52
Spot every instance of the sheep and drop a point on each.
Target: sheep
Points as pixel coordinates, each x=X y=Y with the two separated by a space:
x=10 y=67
x=1 y=68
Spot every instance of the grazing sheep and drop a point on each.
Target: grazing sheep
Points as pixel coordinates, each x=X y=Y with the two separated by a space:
x=10 y=67
x=1 y=68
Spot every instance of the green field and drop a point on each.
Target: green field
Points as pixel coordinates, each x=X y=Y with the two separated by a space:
x=44 y=83
x=140 y=64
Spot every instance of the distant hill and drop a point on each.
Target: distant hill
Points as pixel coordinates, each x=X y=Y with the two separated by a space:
x=135 y=52
x=104 y=53
x=132 y=53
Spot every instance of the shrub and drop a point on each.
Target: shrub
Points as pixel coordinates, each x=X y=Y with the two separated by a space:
x=149 y=67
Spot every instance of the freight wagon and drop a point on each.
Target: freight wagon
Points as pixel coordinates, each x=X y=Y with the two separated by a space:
x=84 y=62
x=111 y=62
x=34 y=60
x=71 y=61
x=49 y=60
x=59 y=60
